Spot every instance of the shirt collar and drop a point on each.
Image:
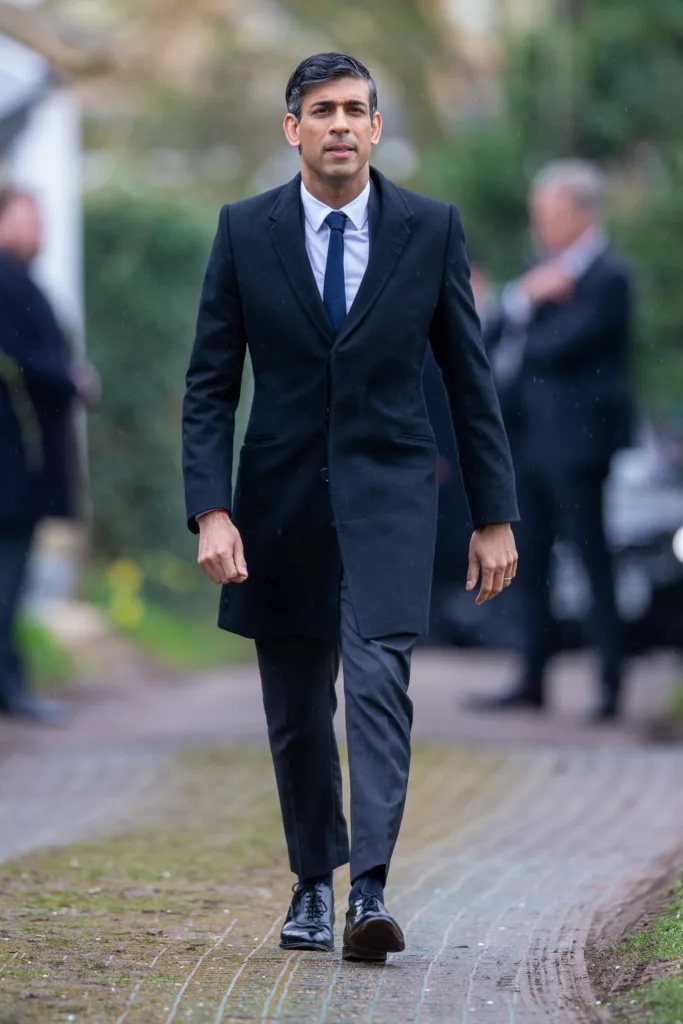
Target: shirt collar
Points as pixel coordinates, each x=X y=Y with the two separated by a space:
x=315 y=211
x=581 y=254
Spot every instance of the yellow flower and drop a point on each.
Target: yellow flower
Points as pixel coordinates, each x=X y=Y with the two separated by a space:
x=124 y=576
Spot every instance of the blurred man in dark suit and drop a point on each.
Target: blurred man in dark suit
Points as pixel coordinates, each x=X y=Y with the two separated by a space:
x=559 y=353
x=37 y=390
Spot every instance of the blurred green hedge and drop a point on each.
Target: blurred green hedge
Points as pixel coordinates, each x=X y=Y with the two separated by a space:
x=145 y=259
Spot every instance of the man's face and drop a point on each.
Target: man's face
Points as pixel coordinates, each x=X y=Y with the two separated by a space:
x=336 y=132
x=20 y=228
x=557 y=220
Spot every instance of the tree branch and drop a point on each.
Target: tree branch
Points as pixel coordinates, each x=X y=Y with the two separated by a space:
x=31 y=29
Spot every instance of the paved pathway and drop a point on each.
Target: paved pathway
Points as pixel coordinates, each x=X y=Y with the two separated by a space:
x=506 y=868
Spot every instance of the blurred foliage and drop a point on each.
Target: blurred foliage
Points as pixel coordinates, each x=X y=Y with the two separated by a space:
x=604 y=82
x=483 y=172
x=145 y=260
x=651 y=236
x=164 y=605
x=49 y=664
x=185 y=642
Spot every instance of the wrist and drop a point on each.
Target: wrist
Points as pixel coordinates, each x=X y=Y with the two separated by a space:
x=211 y=515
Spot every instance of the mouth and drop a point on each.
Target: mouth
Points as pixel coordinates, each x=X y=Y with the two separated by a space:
x=340 y=149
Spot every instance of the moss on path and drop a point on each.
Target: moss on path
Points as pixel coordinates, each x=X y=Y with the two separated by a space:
x=157 y=924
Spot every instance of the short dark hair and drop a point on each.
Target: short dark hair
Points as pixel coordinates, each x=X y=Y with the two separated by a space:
x=324 y=67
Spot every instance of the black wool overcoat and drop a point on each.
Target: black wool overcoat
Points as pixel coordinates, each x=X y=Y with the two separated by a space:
x=338 y=468
x=36 y=397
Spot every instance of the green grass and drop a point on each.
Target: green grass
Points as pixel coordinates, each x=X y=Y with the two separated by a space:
x=675 y=703
x=185 y=642
x=146 y=604
x=48 y=663
x=662 y=944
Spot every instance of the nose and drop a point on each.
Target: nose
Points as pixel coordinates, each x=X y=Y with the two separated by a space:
x=339 y=124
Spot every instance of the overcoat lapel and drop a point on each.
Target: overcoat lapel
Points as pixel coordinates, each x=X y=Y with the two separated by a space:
x=389 y=217
x=287 y=232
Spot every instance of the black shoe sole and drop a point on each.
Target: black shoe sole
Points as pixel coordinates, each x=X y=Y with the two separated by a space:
x=315 y=947
x=373 y=940
x=363 y=955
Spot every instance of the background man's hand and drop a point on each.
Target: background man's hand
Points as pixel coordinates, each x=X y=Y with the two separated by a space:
x=547 y=283
x=221 y=554
x=493 y=553
x=87 y=383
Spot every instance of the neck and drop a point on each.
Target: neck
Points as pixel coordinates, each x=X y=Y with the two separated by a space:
x=588 y=228
x=335 y=193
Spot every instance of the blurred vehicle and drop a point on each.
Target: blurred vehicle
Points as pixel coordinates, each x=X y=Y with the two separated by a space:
x=644 y=527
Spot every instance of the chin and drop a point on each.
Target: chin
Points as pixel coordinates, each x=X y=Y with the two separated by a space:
x=343 y=170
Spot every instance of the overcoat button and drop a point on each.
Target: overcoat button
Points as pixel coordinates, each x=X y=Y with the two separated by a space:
x=325 y=475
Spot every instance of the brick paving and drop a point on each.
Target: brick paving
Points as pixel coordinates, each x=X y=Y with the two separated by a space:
x=546 y=839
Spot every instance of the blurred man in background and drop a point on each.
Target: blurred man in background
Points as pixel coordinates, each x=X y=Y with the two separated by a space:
x=37 y=390
x=559 y=351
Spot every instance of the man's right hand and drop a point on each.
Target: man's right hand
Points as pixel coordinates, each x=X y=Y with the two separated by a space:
x=221 y=554
x=547 y=283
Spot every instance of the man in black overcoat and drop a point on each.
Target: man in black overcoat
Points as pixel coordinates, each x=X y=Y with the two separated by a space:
x=560 y=357
x=37 y=391
x=336 y=283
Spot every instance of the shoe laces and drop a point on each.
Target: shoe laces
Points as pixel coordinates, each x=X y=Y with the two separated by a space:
x=372 y=903
x=314 y=904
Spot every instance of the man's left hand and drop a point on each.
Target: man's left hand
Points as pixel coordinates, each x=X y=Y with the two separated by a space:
x=494 y=555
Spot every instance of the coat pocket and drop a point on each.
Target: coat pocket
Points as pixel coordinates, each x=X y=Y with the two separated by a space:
x=417 y=438
x=259 y=440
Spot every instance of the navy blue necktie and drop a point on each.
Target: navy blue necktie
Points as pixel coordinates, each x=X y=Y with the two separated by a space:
x=334 y=289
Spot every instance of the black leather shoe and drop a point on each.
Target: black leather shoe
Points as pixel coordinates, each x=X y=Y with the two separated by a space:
x=310 y=919
x=370 y=931
x=606 y=711
x=518 y=699
x=36 y=709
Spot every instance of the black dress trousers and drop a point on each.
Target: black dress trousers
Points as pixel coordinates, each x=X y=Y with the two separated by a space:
x=298 y=676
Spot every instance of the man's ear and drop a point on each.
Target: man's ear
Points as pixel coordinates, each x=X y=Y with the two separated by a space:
x=376 y=128
x=291 y=129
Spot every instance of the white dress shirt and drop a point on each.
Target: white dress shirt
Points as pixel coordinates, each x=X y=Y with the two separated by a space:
x=356 y=239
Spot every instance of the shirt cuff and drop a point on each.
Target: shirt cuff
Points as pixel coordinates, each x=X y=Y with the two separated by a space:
x=199 y=515
x=517 y=305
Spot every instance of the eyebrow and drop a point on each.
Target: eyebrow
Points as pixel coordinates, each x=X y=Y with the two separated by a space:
x=347 y=103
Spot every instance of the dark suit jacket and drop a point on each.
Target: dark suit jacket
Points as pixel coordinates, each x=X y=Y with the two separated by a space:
x=36 y=393
x=339 y=461
x=569 y=408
